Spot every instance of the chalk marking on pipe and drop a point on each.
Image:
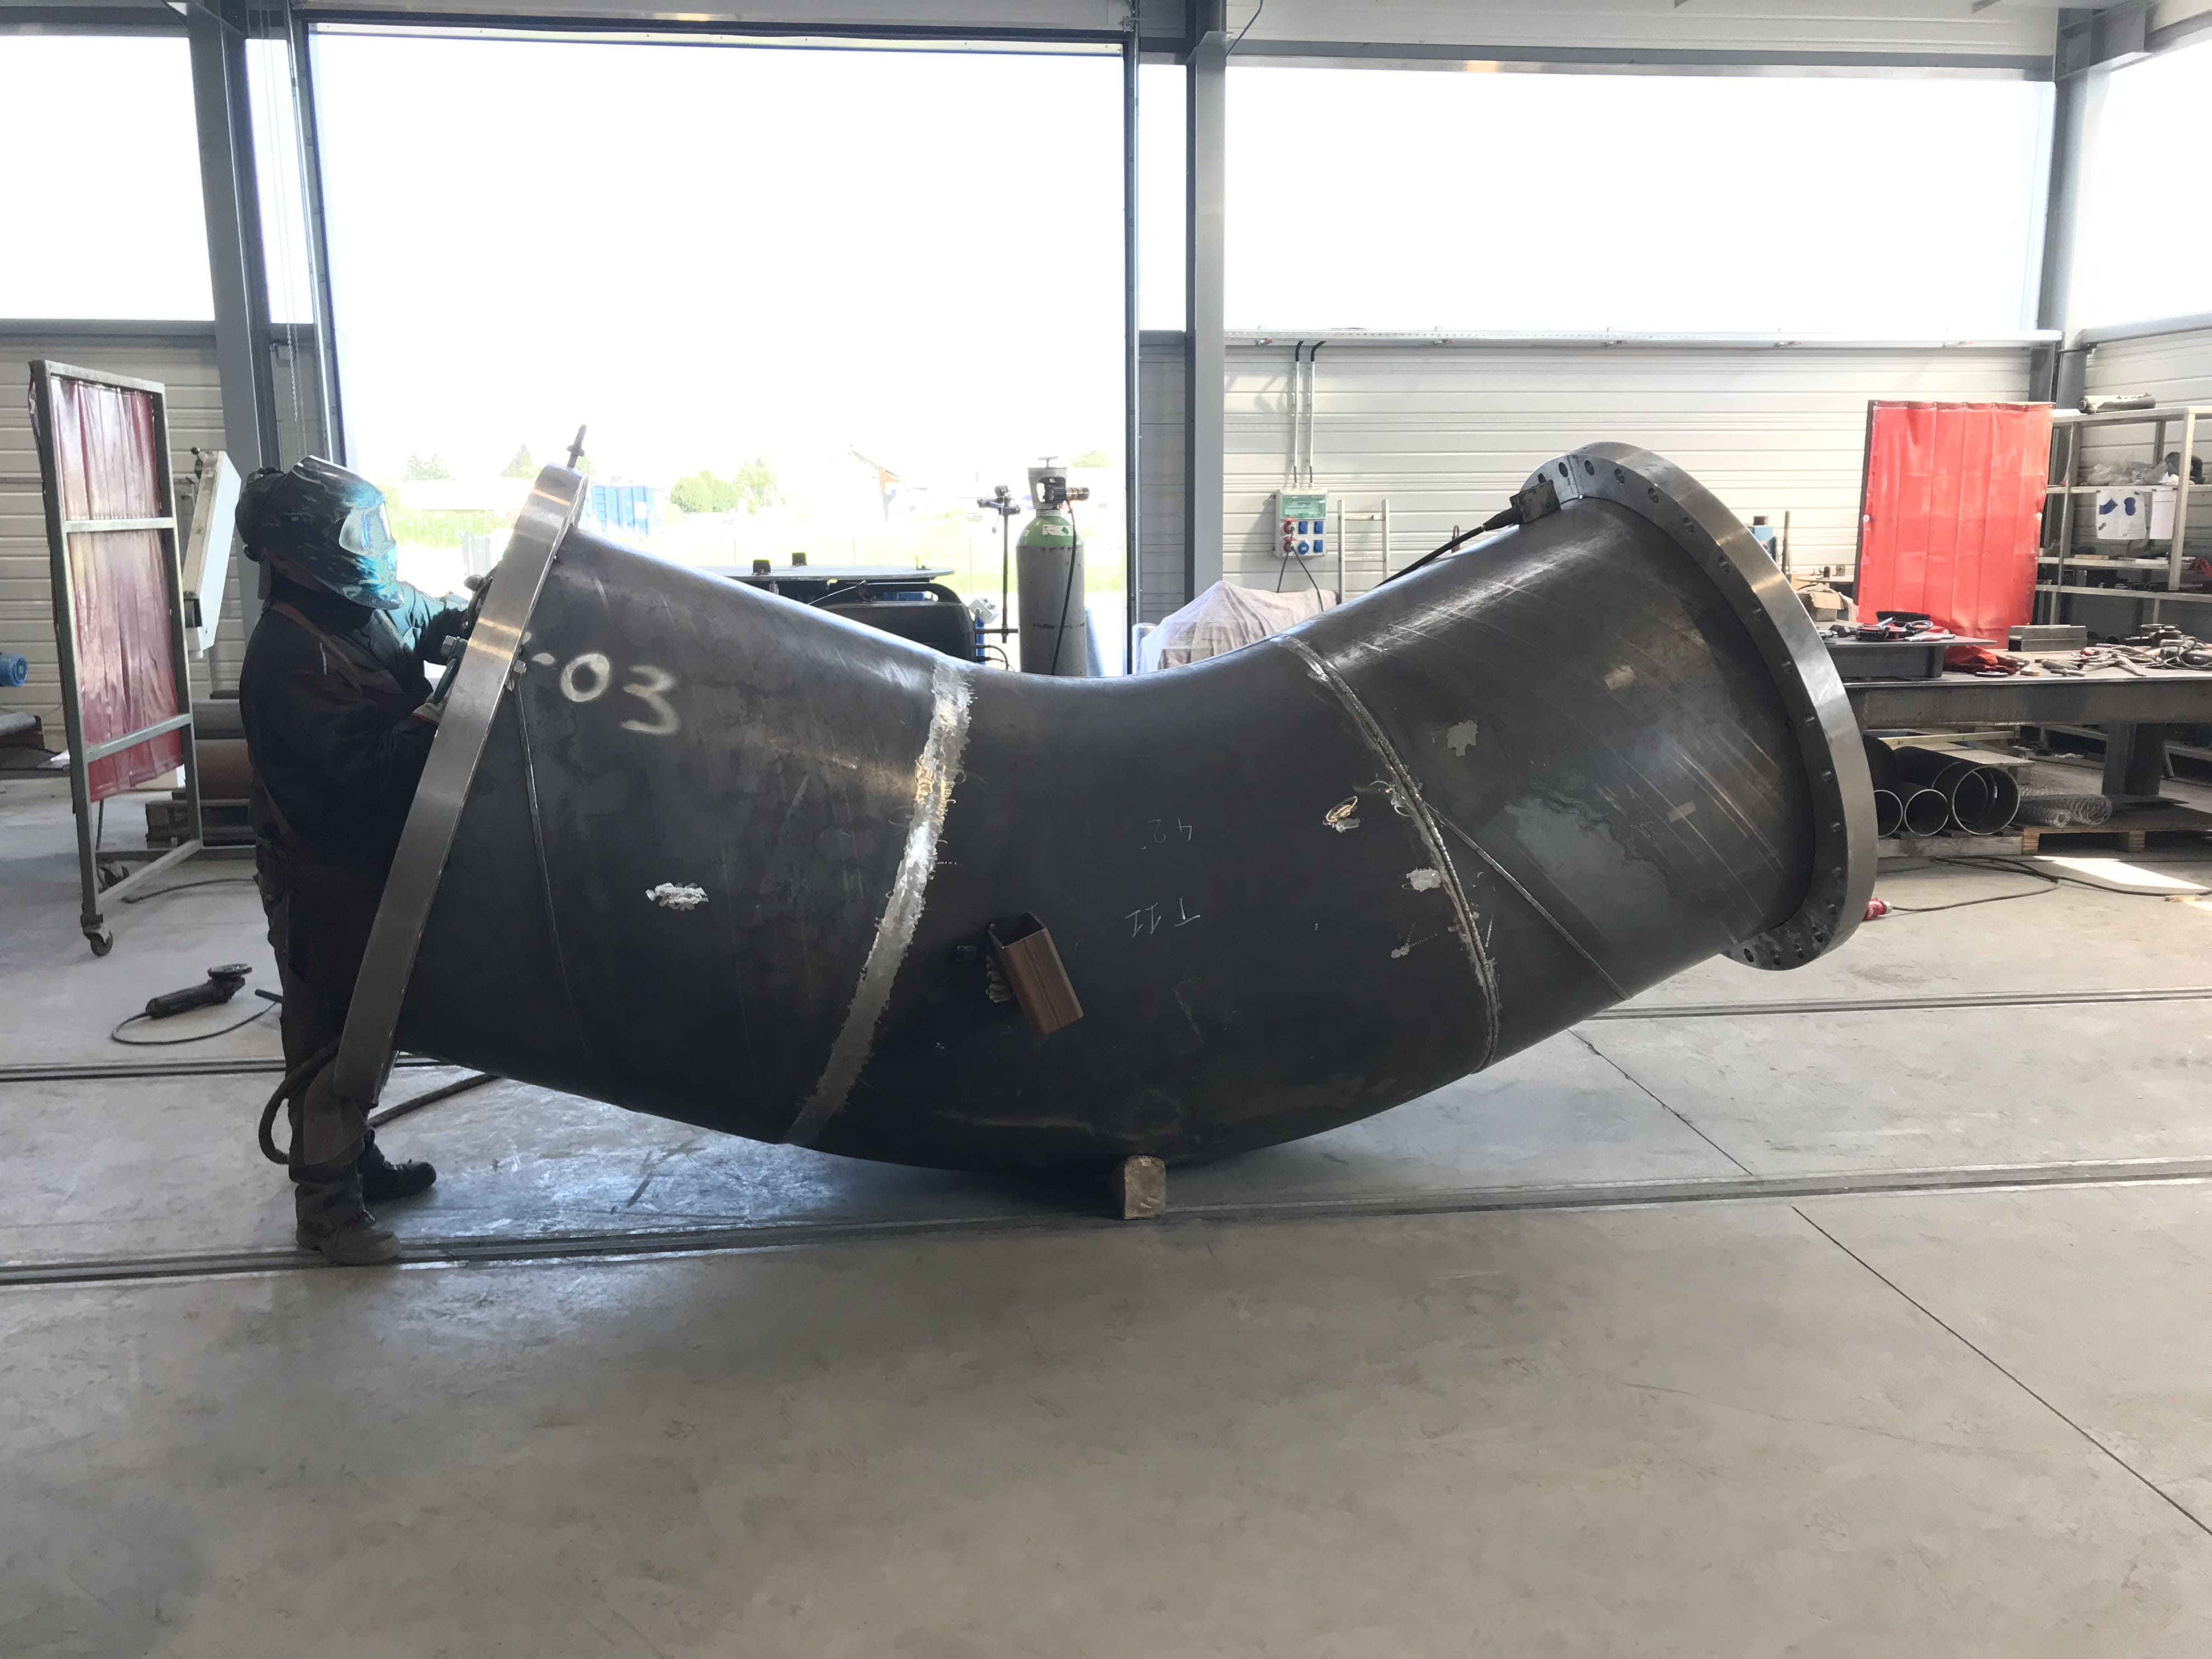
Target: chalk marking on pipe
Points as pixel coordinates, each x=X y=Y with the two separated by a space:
x=1620 y=677
x=1424 y=881
x=934 y=771
x=1460 y=739
x=1406 y=797
x=677 y=896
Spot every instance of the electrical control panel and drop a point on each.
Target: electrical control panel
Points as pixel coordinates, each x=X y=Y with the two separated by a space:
x=1301 y=523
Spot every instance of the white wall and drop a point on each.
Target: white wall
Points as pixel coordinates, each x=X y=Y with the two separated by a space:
x=181 y=357
x=1447 y=433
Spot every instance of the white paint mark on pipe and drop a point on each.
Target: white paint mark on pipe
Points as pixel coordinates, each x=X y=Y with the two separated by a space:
x=677 y=896
x=542 y=659
x=1460 y=739
x=1424 y=881
x=1620 y=677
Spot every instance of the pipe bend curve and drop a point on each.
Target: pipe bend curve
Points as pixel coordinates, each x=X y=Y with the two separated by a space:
x=732 y=861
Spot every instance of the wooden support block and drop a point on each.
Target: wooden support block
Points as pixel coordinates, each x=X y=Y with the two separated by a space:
x=1138 y=1188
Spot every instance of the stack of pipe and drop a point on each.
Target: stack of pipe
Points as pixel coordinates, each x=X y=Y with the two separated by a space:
x=1926 y=791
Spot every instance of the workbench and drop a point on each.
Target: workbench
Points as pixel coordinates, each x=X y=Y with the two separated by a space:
x=2134 y=710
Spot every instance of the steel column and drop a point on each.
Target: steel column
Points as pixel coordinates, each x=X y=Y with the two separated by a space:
x=230 y=190
x=1132 y=338
x=1205 y=350
x=319 y=246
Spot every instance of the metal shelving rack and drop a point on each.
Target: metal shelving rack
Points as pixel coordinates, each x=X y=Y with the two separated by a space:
x=2066 y=428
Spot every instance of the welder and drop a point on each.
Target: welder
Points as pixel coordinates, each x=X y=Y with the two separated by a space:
x=339 y=718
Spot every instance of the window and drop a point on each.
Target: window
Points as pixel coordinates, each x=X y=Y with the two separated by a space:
x=103 y=179
x=1401 y=200
x=1161 y=120
x=2141 y=250
x=276 y=173
x=813 y=299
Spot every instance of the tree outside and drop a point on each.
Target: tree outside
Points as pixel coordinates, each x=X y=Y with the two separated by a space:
x=751 y=487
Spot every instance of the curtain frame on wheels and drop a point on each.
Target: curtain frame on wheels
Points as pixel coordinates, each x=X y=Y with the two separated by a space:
x=59 y=529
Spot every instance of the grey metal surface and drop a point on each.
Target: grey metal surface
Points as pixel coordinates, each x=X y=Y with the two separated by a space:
x=2104 y=699
x=1828 y=737
x=479 y=679
x=1293 y=887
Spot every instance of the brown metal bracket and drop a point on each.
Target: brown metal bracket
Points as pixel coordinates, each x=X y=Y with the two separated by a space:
x=1024 y=950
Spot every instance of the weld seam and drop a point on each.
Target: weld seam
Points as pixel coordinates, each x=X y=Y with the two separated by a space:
x=933 y=774
x=1424 y=819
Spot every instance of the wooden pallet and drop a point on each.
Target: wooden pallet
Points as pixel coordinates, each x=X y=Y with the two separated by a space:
x=2132 y=828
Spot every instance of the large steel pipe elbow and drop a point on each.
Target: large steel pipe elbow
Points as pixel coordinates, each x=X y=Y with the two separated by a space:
x=704 y=853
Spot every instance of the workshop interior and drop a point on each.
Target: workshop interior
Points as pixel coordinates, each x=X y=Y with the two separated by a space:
x=1036 y=828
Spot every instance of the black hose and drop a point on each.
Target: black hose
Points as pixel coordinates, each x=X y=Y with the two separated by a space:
x=431 y=1097
x=295 y=1080
x=1499 y=520
x=304 y=1073
x=1066 y=593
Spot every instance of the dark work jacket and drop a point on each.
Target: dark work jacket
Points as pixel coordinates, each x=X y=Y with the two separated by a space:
x=331 y=728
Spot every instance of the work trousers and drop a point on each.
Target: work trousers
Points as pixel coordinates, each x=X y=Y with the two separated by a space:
x=319 y=917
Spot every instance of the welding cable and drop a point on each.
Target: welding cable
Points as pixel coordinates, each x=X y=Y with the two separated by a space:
x=2051 y=884
x=431 y=1097
x=1500 y=520
x=300 y=1076
x=293 y=1081
x=1993 y=861
x=2051 y=881
x=1066 y=593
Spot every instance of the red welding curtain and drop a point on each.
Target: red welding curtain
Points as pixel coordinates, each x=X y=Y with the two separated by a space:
x=1952 y=511
x=110 y=467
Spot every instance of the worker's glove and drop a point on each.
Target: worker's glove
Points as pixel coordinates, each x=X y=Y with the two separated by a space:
x=451 y=623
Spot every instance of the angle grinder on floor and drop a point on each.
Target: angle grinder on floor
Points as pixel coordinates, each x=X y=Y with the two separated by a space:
x=221 y=984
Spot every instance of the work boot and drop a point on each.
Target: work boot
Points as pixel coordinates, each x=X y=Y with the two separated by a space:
x=334 y=1223
x=382 y=1180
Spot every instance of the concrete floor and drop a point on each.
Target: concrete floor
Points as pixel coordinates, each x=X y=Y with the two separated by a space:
x=1673 y=1336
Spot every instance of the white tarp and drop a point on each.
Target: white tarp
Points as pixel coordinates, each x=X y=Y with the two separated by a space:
x=1226 y=619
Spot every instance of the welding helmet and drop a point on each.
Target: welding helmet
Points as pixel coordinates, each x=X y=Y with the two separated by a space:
x=327 y=524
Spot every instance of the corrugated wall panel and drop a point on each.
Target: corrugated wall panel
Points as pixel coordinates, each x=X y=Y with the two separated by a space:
x=2174 y=369
x=181 y=358
x=1447 y=433
x=1160 y=460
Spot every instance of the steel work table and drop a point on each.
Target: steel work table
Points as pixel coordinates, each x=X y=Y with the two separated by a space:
x=2134 y=710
